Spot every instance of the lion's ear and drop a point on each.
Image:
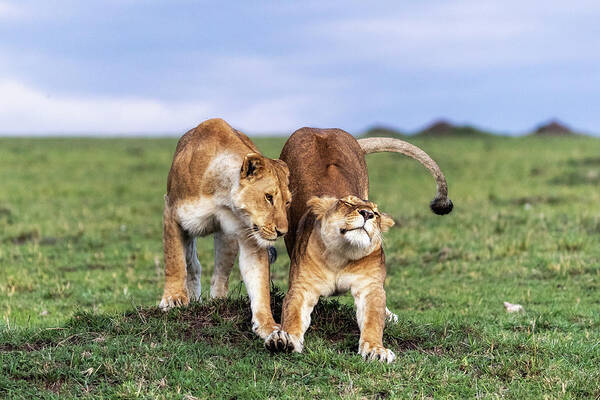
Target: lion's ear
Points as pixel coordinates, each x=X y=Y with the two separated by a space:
x=320 y=205
x=386 y=222
x=252 y=166
x=283 y=165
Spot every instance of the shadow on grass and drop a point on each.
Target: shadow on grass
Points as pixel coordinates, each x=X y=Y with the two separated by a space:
x=227 y=322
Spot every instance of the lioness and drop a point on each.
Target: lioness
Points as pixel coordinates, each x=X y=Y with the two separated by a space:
x=219 y=183
x=335 y=233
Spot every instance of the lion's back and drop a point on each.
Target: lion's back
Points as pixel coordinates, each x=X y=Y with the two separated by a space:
x=322 y=162
x=197 y=148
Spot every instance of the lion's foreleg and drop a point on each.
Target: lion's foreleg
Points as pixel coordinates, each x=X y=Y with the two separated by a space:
x=370 y=313
x=254 y=268
x=226 y=249
x=298 y=304
x=175 y=293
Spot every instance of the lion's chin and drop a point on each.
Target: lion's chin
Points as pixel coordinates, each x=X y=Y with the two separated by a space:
x=260 y=239
x=358 y=238
x=263 y=242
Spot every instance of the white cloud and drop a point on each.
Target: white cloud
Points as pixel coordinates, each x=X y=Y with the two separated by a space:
x=281 y=115
x=25 y=110
x=462 y=35
x=341 y=64
x=29 y=111
x=9 y=11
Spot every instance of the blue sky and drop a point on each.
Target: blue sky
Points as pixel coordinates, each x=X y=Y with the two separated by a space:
x=156 y=67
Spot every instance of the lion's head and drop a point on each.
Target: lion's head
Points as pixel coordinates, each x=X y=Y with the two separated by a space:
x=350 y=226
x=262 y=198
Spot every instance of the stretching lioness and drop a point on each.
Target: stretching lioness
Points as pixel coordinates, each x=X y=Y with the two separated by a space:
x=219 y=183
x=335 y=234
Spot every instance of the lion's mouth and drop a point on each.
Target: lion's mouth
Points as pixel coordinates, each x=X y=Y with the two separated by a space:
x=257 y=230
x=344 y=231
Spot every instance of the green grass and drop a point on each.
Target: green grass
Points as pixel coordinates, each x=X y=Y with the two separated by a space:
x=81 y=274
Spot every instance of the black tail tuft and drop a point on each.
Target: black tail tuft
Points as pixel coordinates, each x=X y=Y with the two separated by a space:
x=272 y=254
x=441 y=206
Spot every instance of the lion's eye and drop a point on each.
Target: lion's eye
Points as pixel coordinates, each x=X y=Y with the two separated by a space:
x=288 y=203
x=269 y=198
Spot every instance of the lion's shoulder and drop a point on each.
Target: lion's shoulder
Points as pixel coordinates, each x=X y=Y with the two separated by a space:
x=297 y=239
x=208 y=156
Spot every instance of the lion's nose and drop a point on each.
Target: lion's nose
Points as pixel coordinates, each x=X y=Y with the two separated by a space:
x=366 y=214
x=280 y=233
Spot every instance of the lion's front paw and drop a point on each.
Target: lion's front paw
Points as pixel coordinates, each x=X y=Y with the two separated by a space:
x=283 y=341
x=263 y=331
x=378 y=353
x=173 y=300
x=390 y=317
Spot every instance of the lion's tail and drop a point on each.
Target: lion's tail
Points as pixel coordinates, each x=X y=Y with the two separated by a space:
x=441 y=204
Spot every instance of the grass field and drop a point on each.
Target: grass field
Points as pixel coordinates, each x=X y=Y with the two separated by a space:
x=81 y=275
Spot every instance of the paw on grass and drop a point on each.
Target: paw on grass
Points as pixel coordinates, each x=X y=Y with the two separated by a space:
x=173 y=300
x=371 y=352
x=281 y=341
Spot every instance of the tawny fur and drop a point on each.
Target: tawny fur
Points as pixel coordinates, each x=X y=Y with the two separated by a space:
x=220 y=184
x=335 y=241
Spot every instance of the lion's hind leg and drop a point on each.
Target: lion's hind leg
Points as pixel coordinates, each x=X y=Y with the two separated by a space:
x=390 y=317
x=194 y=269
x=226 y=250
x=174 y=242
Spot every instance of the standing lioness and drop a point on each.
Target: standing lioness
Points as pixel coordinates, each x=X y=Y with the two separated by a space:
x=219 y=183
x=335 y=239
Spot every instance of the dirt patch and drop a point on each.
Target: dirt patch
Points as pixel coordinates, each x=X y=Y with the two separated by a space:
x=228 y=321
x=54 y=386
x=521 y=201
x=218 y=320
x=575 y=178
x=25 y=237
x=334 y=321
x=142 y=167
x=585 y=162
x=51 y=386
x=537 y=171
x=43 y=343
x=441 y=255
x=26 y=347
x=203 y=326
x=35 y=237
x=94 y=267
x=49 y=241
x=137 y=151
x=382 y=395
x=531 y=200
x=6 y=214
x=591 y=225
